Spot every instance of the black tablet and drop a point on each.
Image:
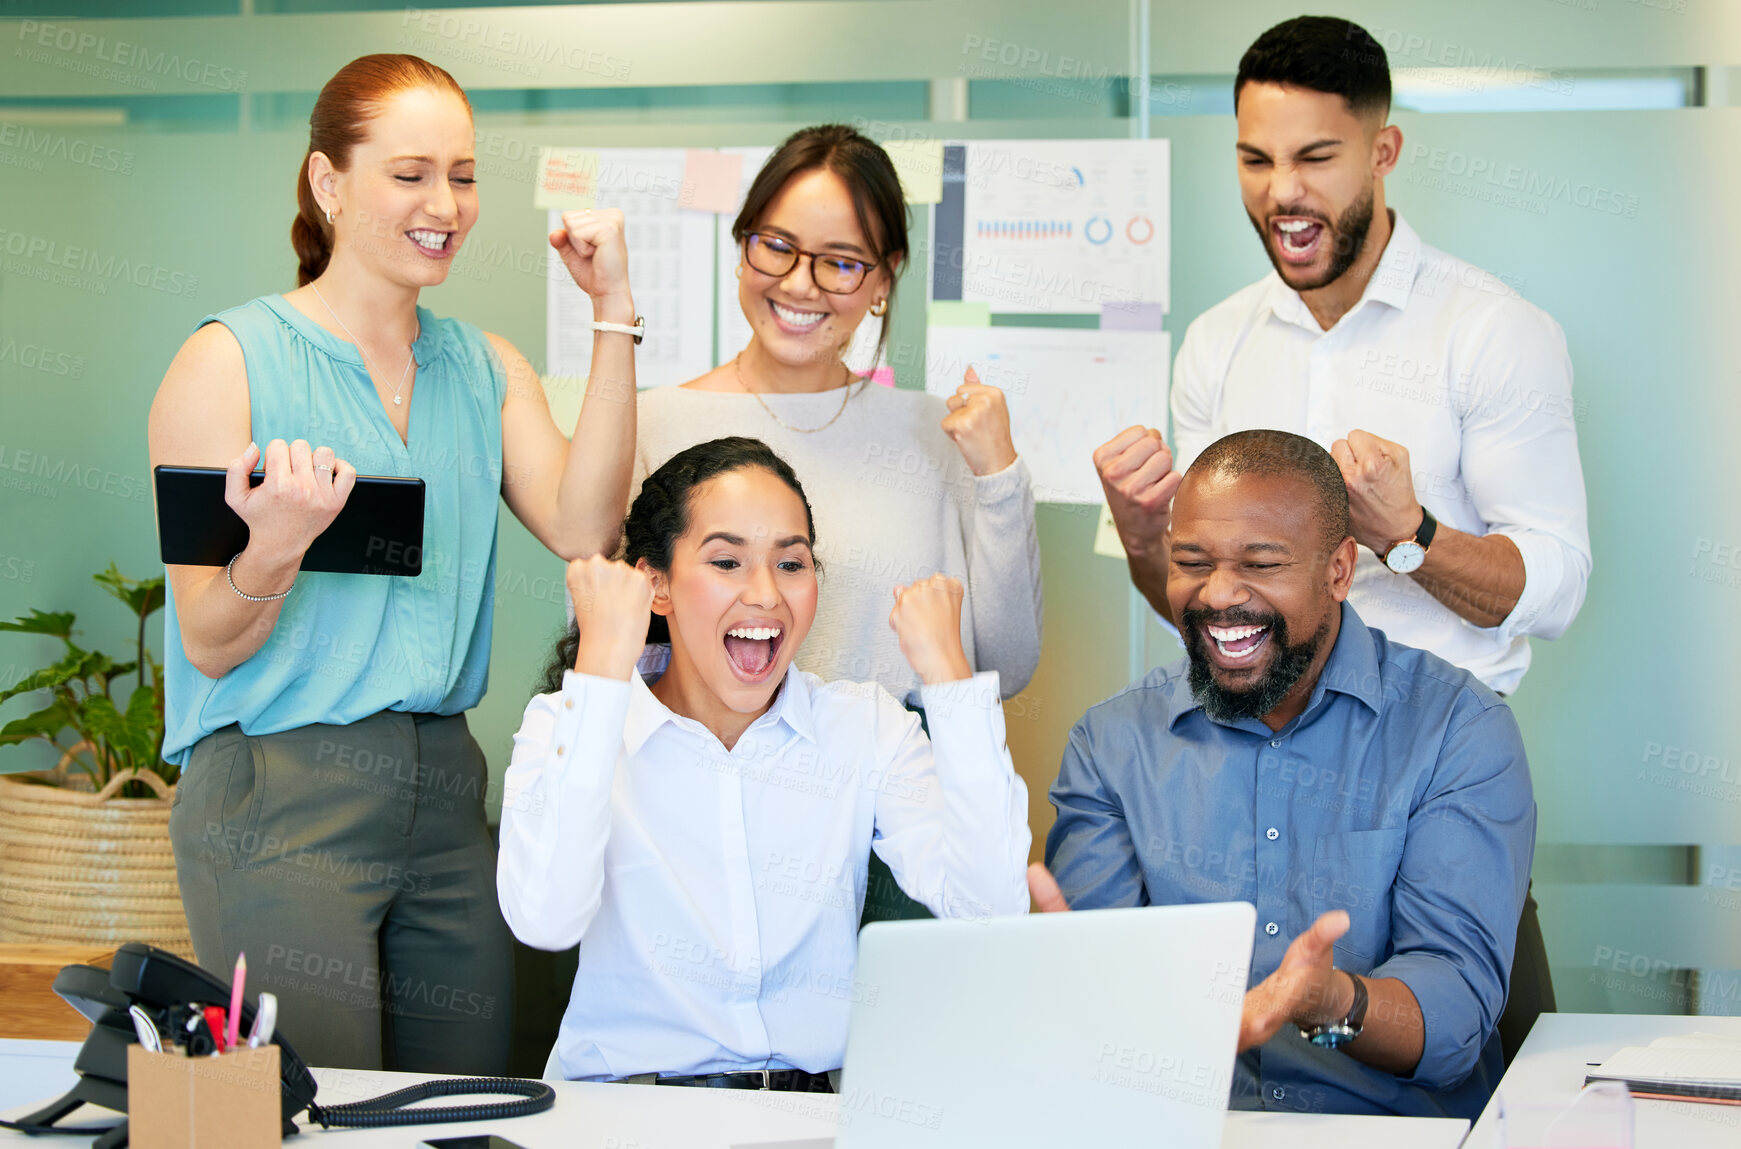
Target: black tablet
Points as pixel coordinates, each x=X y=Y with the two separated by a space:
x=379 y=531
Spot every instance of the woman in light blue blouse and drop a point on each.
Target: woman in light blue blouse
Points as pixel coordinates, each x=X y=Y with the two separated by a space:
x=330 y=819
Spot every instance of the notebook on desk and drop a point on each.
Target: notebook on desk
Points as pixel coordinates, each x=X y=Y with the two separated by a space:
x=1689 y=1067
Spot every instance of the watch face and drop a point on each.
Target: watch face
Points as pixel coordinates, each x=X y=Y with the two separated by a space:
x=1333 y=1036
x=1405 y=557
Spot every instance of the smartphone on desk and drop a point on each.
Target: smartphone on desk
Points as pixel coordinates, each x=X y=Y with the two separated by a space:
x=476 y=1141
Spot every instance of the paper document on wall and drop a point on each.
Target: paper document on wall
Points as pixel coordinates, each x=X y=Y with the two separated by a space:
x=1065 y=226
x=1068 y=392
x=671 y=266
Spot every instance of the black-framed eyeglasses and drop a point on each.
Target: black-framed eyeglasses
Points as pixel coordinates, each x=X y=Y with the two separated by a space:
x=835 y=274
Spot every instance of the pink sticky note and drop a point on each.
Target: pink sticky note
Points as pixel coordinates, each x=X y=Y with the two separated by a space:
x=712 y=181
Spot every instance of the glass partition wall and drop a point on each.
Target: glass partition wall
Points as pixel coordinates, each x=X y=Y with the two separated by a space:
x=1585 y=156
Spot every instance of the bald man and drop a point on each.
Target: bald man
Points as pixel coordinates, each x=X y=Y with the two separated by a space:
x=1370 y=799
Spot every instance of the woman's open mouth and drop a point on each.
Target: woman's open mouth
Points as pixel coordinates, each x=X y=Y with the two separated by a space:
x=795 y=321
x=434 y=244
x=752 y=652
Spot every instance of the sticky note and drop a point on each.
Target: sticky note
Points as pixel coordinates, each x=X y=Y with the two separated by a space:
x=955 y=313
x=1131 y=316
x=712 y=181
x=1106 y=540
x=919 y=163
x=567 y=180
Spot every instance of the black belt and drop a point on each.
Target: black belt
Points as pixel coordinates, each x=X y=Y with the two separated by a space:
x=788 y=1080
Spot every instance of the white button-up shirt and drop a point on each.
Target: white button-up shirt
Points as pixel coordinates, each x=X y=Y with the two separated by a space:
x=1450 y=362
x=716 y=894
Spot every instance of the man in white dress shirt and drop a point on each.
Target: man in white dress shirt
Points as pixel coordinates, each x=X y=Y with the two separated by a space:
x=1445 y=398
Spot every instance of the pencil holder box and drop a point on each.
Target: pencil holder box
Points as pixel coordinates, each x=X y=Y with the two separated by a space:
x=226 y=1102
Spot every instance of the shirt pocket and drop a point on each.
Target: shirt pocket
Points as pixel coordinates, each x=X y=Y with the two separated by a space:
x=1354 y=871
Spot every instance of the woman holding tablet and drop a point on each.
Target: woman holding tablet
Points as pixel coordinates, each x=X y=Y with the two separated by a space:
x=905 y=484
x=330 y=818
x=698 y=816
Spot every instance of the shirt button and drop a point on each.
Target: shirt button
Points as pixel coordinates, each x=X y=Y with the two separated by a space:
x=1278 y=1093
x=1272 y=929
x=1272 y=833
x=1276 y=744
x=568 y=704
x=560 y=749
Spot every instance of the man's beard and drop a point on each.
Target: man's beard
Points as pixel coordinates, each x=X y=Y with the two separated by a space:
x=1346 y=237
x=1289 y=664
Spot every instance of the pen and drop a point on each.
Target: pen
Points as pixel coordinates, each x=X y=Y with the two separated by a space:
x=235 y=1016
x=265 y=1020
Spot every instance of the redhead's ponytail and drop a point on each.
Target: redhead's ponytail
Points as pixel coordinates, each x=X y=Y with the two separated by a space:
x=310 y=234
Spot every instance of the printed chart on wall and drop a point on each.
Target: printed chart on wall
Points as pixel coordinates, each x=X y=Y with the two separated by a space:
x=671 y=254
x=1056 y=226
x=1050 y=228
x=1068 y=392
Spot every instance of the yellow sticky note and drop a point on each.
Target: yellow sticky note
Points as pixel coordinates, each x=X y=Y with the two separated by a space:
x=567 y=180
x=919 y=163
x=1106 y=536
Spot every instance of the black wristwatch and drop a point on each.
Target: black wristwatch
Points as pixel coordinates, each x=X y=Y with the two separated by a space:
x=1409 y=554
x=1335 y=1034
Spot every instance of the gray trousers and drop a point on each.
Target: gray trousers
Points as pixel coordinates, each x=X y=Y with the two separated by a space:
x=354 y=866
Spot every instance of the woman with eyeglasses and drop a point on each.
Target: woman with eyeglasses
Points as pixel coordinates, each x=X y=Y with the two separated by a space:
x=904 y=484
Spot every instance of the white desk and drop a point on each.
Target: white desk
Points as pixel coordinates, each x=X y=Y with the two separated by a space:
x=592 y=1116
x=1551 y=1066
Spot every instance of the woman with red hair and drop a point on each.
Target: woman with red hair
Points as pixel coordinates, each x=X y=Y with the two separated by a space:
x=330 y=819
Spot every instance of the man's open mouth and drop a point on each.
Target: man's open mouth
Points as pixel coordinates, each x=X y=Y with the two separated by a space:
x=1298 y=239
x=1237 y=644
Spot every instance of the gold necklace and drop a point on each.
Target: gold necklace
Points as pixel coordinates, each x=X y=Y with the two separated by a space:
x=846 y=395
x=398 y=399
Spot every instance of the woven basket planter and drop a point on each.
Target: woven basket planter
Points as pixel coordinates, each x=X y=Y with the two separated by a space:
x=78 y=868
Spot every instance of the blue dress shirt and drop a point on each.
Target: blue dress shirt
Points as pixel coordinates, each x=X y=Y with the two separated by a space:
x=1401 y=794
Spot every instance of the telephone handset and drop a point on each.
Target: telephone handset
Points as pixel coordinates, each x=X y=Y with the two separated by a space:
x=158 y=980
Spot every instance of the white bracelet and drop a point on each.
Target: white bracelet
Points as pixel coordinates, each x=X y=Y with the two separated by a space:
x=253 y=597
x=638 y=330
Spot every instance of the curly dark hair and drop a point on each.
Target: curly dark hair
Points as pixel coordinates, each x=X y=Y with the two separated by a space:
x=660 y=514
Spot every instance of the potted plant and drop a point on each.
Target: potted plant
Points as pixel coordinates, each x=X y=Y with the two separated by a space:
x=84 y=847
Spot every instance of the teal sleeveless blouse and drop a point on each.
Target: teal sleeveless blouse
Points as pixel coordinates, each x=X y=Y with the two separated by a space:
x=347 y=646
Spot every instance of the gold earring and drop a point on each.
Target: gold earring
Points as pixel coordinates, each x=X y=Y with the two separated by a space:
x=329 y=215
x=740 y=271
x=880 y=308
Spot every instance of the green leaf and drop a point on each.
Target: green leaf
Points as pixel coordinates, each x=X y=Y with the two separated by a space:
x=144 y=725
x=45 y=679
x=45 y=723
x=142 y=596
x=58 y=624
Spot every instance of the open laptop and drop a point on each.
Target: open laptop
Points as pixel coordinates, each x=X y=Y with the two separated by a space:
x=1103 y=1027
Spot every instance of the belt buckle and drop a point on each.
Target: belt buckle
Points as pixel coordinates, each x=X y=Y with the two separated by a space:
x=766 y=1081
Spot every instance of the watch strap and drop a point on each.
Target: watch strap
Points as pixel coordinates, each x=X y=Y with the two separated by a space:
x=1428 y=528
x=1357 y=1011
x=639 y=330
